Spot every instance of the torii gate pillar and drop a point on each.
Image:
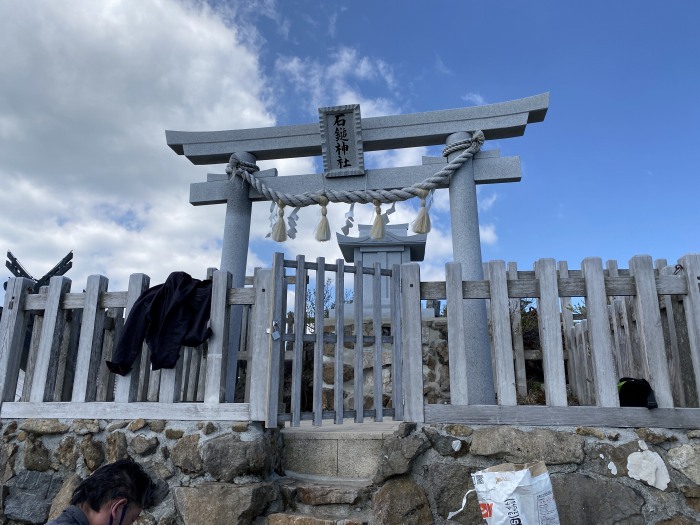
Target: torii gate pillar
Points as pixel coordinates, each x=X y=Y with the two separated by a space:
x=466 y=248
x=234 y=258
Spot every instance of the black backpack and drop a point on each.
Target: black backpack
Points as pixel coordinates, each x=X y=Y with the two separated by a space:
x=636 y=393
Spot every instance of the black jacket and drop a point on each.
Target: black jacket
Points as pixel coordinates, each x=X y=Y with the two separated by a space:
x=71 y=516
x=167 y=316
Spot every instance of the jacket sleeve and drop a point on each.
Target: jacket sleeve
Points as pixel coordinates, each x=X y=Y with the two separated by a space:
x=133 y=334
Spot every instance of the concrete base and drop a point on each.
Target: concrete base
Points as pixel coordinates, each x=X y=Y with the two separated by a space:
x=348 y=452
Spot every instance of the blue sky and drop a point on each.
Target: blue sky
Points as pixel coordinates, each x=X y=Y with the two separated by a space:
x=88 y=89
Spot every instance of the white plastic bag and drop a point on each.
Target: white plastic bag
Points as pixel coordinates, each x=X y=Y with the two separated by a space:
x=512 y=494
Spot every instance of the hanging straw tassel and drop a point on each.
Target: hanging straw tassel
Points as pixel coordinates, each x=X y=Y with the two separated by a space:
x=279 y=231
x=377 y=231
x=422 y=222
x=323 y=231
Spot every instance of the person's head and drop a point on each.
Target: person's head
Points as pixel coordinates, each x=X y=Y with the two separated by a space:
x=115 y=494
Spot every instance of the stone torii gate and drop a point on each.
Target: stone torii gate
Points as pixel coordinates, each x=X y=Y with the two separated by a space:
x=448 y=127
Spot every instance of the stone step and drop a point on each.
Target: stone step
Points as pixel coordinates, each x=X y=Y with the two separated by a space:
x=309 y=502
x=347 y=452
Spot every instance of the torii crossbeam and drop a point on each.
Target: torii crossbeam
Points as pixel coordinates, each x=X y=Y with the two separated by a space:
x=496 y=121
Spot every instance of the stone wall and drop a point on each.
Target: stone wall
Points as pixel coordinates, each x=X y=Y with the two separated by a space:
x=207 y=467
x=233 y=473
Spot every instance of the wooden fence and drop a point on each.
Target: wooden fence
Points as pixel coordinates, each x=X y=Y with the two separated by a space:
x=367 y=361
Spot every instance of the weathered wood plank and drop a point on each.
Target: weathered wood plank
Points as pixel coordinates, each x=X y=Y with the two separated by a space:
x=691 y=269
x=550 y=333
x=358 y=347
x=377 y=327
x=245 y=296
x=340 y=341
x=33 y=349
x=567 y=320
x=217 y=356
x=13 y=326
x=563 y=416
x=114 y=322
x=260 y=344
x=49 y=344
x=318 y=343
x=411 y=343
x=90 y=344
x=101 y=410
x=501 y=334
x=299 y=330
x=649 y=326
x=599 y=333
x=516 y=335
x=525 y=286
x=671 y=339
x=396 y=363
x=168 y=384
x=127 y=386
x=456 y=339
x=275 y=325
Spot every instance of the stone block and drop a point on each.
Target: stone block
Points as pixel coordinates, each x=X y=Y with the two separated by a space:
x=226 y=457
x=401 y=501
x=297 y=519
x=582 y=500
x=185 y=454
x=317 y=457
x=686 y=459
x=516 y=446
x=93 y=452
x=216 y=503
x=448 y=483
x=30 y=496
x=358 y=458
x=44 y=426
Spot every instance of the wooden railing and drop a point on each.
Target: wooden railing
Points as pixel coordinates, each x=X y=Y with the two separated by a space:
x=641 y=322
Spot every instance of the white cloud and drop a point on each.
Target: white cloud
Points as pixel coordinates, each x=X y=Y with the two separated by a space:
x=474 y=99
x=485 y=202
x=88 y=90
x=441 y=67
x=336 y=82
x=487 y=232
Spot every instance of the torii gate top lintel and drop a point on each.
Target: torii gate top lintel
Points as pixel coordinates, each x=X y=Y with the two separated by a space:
x=497 y=121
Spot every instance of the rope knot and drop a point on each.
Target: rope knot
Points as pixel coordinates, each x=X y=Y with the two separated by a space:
x=476 y=140
x=234 y=164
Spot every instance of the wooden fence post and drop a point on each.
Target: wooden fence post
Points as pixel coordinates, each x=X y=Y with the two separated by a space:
x=127 y=386
x=217 y=354
x=299 y=331
x=260 y=344
x=517 y=335
x=397 y=361
x=501 y=333
x=649 y=326
x=90 y=344
x=550 y=333
x=49 y=345
x=12 y=330
x=411 y=343
x=567 y=319
x=359 y=347
x=318 y=344
x=671 y=340
x=456 y=340
x=599 y=333
x=377 y=328
x=339 y=361
x=691 y=268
